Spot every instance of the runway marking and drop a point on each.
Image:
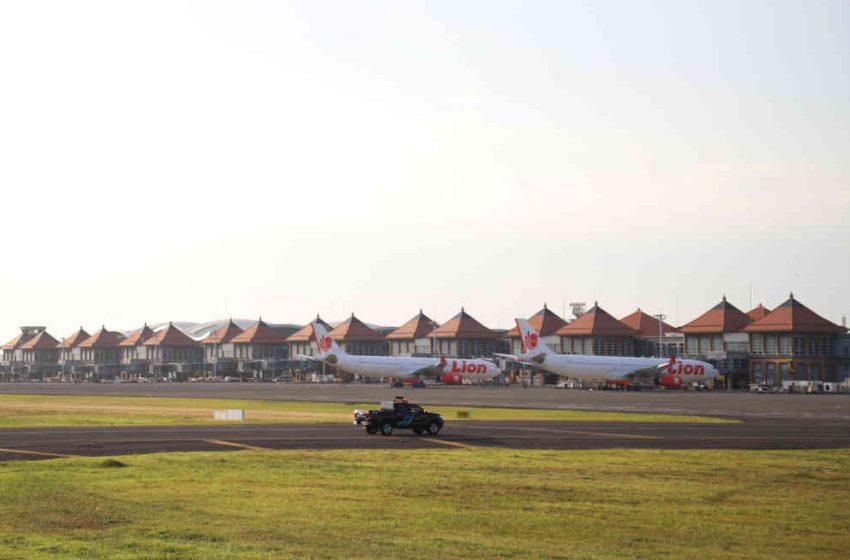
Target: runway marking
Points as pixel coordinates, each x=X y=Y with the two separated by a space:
x=609 y=434
x=38 y=453
x=585 y=433
x=452 y=443
x=235 y=444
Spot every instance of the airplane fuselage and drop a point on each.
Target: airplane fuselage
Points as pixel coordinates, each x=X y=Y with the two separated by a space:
x=619 y=368
x=399 y=367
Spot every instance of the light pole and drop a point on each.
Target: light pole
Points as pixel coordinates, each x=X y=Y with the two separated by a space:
x=660 y=317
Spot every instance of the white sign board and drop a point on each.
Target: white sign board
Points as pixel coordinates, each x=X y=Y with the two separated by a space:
x=229 y=414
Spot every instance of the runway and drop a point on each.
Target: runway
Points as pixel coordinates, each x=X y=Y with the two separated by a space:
x=716 y=403
x=50 y=443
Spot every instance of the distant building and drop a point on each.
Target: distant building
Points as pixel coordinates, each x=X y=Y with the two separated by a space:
x=463 y=336
x=717 y=336
x=411 y=339
x=842 y=356
x=655 y=337
x=173 y=354
x=792 y=342
x=134 y=360
x=597 y=333
x=40 y=356
x=13 y=353
x=100 y=354
x=357 y=338
x=260 y=350
x=220 y=351
x=70 y=355
x=758 y=312
x=547 y=323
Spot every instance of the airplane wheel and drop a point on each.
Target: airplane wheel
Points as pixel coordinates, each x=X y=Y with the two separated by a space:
x=433 y=429
x=386 y=429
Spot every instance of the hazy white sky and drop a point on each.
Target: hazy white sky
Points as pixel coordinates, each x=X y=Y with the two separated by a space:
x=192 y=161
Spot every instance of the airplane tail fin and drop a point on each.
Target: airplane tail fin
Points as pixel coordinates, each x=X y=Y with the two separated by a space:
x=532 y=346
x=324 y=343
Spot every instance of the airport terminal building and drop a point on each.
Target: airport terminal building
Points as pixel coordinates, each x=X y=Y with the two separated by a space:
x=790 y=343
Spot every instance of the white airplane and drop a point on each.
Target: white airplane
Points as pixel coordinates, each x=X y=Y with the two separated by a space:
x=450 y=371
x=674 y=372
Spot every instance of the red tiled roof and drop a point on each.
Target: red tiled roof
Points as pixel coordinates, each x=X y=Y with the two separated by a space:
x=462 y=325
x=259 y=333
x=596 y=322
x=305 y=333
x=355 y=330
x=18 y=341
x=75 y=339
x=418 y=327
x=138 y=337
x=546 y=322
x=171 y=336
x=103 y=339
x=41 y=341
x=758 y=313
x=223 y=334
x=722 y=318
x=793 y=316
x=646 y=324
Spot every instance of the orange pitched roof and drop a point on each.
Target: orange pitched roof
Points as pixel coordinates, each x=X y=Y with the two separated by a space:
x=18 y=341
x=305 y=333
x=722 y=318
x=224 y=334
x=75 y=339
x=259 y=333
x=41 y=341
x=463 y=325
x=355 y=330
x=103 y=339
x=171 y=336
x=793 y=316
x=138 y=337
x=596 y=322
x=646 y=324
x=418 y=327
x=545 y=322
x=758 y=313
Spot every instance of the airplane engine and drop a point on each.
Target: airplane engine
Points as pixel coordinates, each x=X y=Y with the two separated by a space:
x=451 y=379
x=670 y=381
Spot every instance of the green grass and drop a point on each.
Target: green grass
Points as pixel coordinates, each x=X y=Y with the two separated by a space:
x=430 y=503
x=18 y=411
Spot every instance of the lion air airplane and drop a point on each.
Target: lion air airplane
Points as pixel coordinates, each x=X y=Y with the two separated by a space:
x=449 y=371
x=610 y=369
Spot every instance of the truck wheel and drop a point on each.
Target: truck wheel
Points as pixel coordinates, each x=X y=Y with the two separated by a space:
x=386 y=429
x=433 y=429
x=371 y=430
x=418 y=430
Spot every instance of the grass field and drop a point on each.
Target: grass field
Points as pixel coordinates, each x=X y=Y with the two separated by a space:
x=430 y=503
x=18 y=411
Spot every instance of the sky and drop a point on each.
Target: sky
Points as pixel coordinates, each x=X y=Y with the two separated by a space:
x=192 y=161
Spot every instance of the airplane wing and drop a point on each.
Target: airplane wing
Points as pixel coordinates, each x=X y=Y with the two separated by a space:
x=516 y=359
x=306 y=358
x=429 y=371
x=648 y=374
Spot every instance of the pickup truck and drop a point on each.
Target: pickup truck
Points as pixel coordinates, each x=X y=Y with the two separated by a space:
x=399 y=414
